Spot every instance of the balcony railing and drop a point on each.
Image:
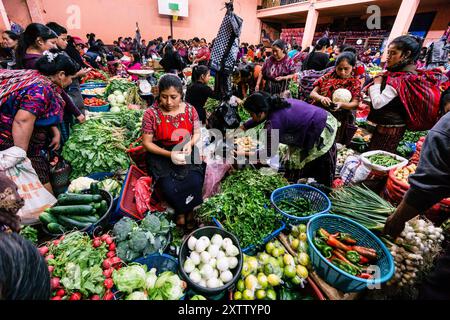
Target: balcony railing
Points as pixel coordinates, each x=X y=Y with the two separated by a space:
x=276 y=3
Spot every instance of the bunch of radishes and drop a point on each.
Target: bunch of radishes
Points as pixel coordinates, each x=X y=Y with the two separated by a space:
x=210 y=261
x=414 y=250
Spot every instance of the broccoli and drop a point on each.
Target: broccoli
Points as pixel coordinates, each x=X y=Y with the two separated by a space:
x=121 y=249
x=151 y=223
x=150 y=249
x=123 y=228
x=138 y=240
x=131 y=255
x=165 y=226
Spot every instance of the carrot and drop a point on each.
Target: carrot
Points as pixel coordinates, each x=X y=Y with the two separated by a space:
x=366 y=252
x=333 y=242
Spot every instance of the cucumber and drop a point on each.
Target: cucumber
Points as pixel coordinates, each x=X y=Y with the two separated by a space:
x=66 y=221
x=97 y=205
x=55 y=228
x=72 y=210
x=104 y=207
x=90 y=219
x=47 y=218
x=73 y=198
x=95 y=189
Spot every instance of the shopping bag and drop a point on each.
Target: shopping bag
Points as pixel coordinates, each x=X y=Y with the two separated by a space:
x=15 y=164
x=215 y=171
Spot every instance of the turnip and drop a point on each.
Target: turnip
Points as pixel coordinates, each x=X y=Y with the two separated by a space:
x=191 y=243
x=205 y=257
x=213 y=250
x=226 y=276
x=195 y=257
x=54 y=283
x=222 y=264
x=217 y=240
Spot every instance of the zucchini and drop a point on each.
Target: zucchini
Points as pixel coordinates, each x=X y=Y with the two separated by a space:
x=96 y=205
x=95 y=189
x=47 y=218
x=72 y=210
x=104 y=207
x=55 y=228
x=66 y=221
x=90 y=219
x=73 y=198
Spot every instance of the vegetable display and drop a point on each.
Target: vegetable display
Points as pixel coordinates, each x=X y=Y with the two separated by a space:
x=94 y=92
x=245 y=144
x=263 y=275
x=94 y=102
x=136 y=283
x=74 y=211
x=293 y=89
x=137 y=240
x=211 y=261
x=133 y=98
x=211 y=105
x=112 y=186
x=300 y=207
x=341 y=250
x=403 y=174
x=342 y=156
x=383 y=160
x=414 y=251
x=80 y=184
x=361 y=205
x=118 y=86
x=94 y=75
x=240 y=207
x=81 y=268
x=29 y=233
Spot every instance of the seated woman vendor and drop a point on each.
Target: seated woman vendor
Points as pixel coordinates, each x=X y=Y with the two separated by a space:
x=170 y=131
x=306 y=134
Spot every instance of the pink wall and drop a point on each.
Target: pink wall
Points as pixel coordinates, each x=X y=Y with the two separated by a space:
x=109 y=19
x=17 y=11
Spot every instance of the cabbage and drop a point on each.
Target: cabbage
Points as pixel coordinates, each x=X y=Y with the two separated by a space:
x=168 y=286
x=112 y=98
x=131 y=278
x=110 y=185
x=342 y=95
x=137 y=295
x=80 y=184
x=120 y=99
x=117 y=93
x=115 y=109
x=151 y=279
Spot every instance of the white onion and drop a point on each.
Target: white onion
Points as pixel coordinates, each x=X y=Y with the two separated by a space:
x=232 y=262
x=205 y=257
x=189 y=265
x=226 y=242
x=226 y=276
x=213 y=250
x=222 y=264
x=191 y=243
x=200 y=246
x=206 y=240
x=206 y=272
x=232 y=251
x=195 y=257
x=217 y=240
x=195 y=276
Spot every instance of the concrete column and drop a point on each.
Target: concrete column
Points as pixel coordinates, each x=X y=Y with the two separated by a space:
x=36 y=10
x=311 y=24
x=4 y=21
x=403 y=21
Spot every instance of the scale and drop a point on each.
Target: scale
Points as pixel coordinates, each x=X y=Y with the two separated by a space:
x=145 y=87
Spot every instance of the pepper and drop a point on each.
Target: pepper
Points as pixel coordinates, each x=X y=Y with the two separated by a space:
x=345 y=237
x=369 y=253
x=353 y=256
x=332 y=241
x=323 y=234
x=341 y=256
x=344 y=266
x=365 y=276
x=363 y=260
x=323 y=248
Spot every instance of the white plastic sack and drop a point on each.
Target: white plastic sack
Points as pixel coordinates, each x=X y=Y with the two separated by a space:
x=365 y=159
x=15 y=164
x=354 y=170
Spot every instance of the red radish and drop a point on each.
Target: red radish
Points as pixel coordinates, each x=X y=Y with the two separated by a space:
x=55 y=242
x=43 y=250
x=54 y=282
x=95 y=297
x=115 y=260
x=108 y=295
x=104 y=237
x=75 y=296
x=112 y=246
x=56 y=298
x=108 y=272
x=107 y=263
x=51 y=268
x=61 y=238
x=60 y=293
x=108 y=283
x=97 y=243
x=111 y=254
x=109 y=240
x=50 y=256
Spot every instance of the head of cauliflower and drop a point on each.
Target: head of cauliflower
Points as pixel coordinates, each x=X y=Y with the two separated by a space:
x=342 y=95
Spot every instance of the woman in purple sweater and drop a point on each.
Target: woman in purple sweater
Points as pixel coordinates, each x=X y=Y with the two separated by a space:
x=302 y=133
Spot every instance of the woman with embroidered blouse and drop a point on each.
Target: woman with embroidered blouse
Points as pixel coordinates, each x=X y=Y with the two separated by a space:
x=170 y=130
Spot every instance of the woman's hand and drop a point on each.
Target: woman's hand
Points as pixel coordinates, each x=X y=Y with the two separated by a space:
x=187 y=149
x=325 y=101
x=178 y=158
x=81 y=118
x=56 y=141
x=257 y=88
x=378 y=80
x=280 y=78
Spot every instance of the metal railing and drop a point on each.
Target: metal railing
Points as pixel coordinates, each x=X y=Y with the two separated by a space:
x=277 y=3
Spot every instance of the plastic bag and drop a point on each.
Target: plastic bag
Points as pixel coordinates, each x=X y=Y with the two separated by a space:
x=354 y=170
x=225 y=117
x=215 y=171
x=15 y=164
x=143 y=192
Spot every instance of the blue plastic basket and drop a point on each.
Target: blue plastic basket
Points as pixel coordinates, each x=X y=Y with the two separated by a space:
x=254 y=249
x=103 y=108
x=92 y=85
x=319 y=201
x=337 y=277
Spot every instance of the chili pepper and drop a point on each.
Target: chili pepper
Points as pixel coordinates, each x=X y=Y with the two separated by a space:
x=342 y=257
x=353 y=256
x=363 y=260
x=323 y=248
x=365 y=276
x=323 y=234
x=344 y=266
x=366 y=252
x=332 y=241
x=345 y=237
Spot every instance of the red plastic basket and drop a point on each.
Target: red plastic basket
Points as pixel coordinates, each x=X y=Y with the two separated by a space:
x=138 y=155
x=127 y=201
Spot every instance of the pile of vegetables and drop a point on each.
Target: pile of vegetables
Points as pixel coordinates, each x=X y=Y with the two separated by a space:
x=240 y=206
x=270 y=271
x=414 y=251
x=211 y=105
x=137 y=284
x=29 y=233
x=299 y=207
x=118 y=85
x=402 y=174
x=133 y=98
x=410 y=138
x=293 y=89
x=211 y=261
x=94 y=92
x=342 y=156
x=136 y=240
x=117 y=100
x=81 y=268
x=95 y=147
x=341 y=250
x=383 y=160
x=94 y=75
x=74 y=211
x=111 y=185
x=80 y=184
x=94 y=102
x=245 y=144
x=361 y=205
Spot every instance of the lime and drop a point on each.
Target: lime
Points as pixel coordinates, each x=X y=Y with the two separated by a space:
x=246 y=270
x=253 y=264
x=248 y=295
x=276 y=252
x=237 y=295
x=262 y=281
x=301 y=228
x=263 y=257
x=289 y=271
x=288 y=259
x=271 y=294
x=280 y=262
x=251 y=282
x=261 y=294
x=296 y=280
x=269 y=268
x=303 y=246
x=303 y=236
x=240 y=285
x=303 y=259
x=295 y=243
x=273 y=280
x=295 y=231
x=269 y=247
x=302 y=272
